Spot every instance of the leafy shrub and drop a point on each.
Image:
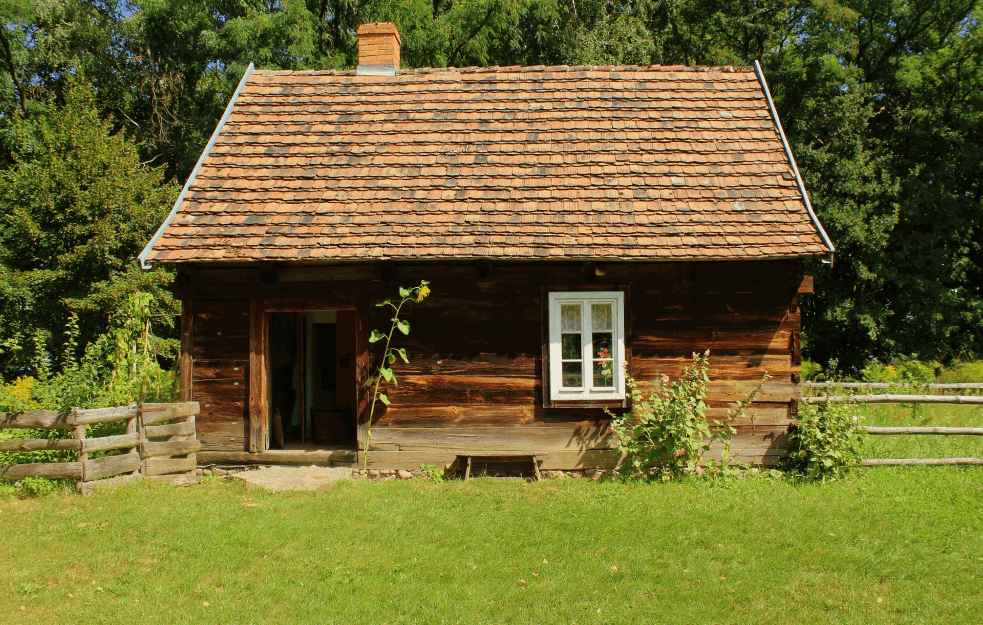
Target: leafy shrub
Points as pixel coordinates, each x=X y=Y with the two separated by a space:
x=960 y=371
x=431 y=472
x=901 y=371
x=827 y=441
x=811 y=370
x=665 y=435
x=36 y=486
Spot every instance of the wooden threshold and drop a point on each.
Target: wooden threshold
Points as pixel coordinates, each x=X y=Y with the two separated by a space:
x=300 y=457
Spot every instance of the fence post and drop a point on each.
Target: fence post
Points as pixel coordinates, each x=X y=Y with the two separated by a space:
x=143 y=440
x=132 y=427
x=83 y=456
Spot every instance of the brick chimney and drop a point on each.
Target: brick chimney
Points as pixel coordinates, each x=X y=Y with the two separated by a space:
x=378 y=49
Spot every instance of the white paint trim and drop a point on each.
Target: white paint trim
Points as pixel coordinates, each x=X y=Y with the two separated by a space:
x=585 y=298
x=194 y=172
x=791 y=160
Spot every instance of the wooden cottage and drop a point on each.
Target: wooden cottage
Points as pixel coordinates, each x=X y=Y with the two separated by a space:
x=572 y=221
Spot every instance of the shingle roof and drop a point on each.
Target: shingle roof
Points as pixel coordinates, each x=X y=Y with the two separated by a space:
x=634 y=163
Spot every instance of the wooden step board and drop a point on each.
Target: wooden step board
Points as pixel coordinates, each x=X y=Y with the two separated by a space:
x=467 y=459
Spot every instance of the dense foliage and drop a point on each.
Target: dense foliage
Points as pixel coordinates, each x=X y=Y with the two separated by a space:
x=882 y=101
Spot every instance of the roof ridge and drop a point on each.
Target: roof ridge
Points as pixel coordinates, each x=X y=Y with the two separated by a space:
x=521 y=69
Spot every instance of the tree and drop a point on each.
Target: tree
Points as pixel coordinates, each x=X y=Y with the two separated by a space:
x=76 y=208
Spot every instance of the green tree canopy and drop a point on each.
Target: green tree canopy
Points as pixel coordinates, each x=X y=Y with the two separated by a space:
x=881 y=100
x=76 y=207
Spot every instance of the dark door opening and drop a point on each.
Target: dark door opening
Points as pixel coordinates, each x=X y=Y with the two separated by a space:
x=312 y=380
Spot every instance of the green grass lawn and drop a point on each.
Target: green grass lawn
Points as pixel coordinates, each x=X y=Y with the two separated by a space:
x=886 y=545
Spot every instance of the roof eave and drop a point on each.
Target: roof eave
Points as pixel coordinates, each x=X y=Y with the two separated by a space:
x=791 y=160
x=194 y=172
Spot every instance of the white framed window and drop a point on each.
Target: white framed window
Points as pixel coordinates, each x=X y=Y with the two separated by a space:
x=587 y=345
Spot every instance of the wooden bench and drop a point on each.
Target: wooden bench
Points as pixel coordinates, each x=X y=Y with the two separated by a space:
x=504 y=457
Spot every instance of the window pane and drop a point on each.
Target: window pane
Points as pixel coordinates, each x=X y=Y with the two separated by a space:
x=573 y=374
x=570 y=318
x=571 y=346
x=601 y=317
x=601 y=347
x=603 y=373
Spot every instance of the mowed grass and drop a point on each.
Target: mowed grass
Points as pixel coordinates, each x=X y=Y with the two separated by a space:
x=886 y=545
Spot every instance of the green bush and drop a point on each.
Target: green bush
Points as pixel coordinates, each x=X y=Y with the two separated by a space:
x=665 y=435
x=827 y=441
x=901 y=371
x=960 y=371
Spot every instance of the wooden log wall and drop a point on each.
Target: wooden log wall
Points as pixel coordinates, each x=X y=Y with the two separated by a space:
x=475 y=381
x=220 y=371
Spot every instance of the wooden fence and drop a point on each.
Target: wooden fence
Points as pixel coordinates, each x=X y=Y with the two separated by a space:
x=906 y=399
x=149 y=450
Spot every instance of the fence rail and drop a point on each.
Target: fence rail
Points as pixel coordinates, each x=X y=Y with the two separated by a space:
x=864 y=385
x=968 y=400
x=894 y=399
x=160 y=452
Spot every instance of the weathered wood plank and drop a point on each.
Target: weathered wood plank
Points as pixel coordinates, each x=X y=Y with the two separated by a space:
x=155 y=413
x=178 y=479
x=170 y=448
x=50 y=470
x=335 y=301
x=497 y=439
x=186 y=362
x=89 y=416
x=112 y=465
x=41 y=444
x=119 y=441
x=86 y=488
x=163 y=466
x=259 y=377
x=320 y=457
x=186 y=428
x=37 y=419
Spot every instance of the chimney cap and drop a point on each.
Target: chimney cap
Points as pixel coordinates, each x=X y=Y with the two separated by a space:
x=379 y=28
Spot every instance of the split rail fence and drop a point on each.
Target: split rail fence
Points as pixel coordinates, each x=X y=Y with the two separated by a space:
x=148 y=449
x=906 y=399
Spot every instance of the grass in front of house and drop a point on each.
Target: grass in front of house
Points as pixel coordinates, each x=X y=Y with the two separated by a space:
x=883 y=546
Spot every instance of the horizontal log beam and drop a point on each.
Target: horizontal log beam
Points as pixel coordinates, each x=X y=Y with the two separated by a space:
x=112 y=465
x=87 y=487
x=318 y=457
x=887 y=462
x=155 y=413
x=924 y=430
x=163 y=466
x=120 y=441
x=52 y=419
x=894 y=399
x=50 y=470
x=174 y=429
x=41 y=444
x=89 y=416
x=44 y=419
x=170 y=448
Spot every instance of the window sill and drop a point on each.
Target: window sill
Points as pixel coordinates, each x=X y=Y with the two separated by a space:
x=588 y=403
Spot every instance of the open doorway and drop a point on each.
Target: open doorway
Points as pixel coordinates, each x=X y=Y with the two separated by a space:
x=312 y=380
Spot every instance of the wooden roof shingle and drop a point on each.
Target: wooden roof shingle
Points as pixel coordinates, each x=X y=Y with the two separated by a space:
x=632 y=163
